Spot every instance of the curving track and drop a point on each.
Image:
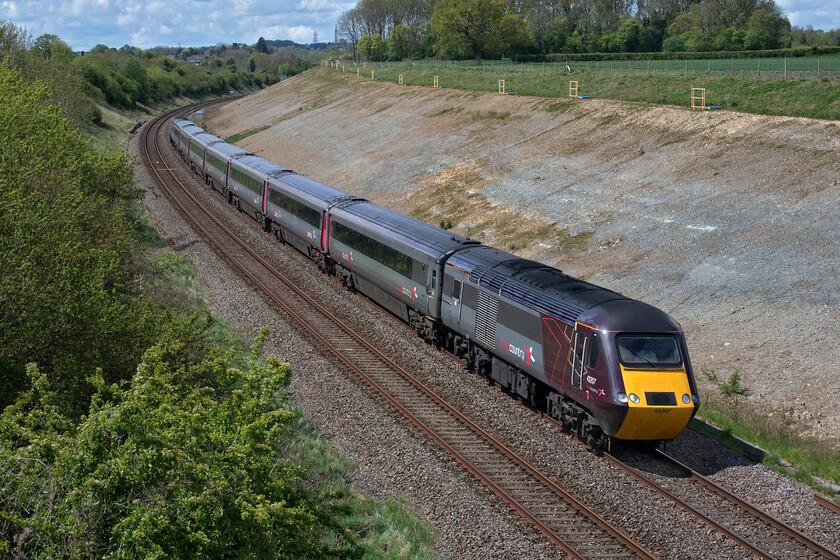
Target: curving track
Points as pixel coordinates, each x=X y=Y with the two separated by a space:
x=755 y=530
x=573 y=527
x=580 y=533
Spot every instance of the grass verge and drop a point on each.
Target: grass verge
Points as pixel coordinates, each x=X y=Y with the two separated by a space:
x=388 y=529
x=817 y=98
x=727 y=407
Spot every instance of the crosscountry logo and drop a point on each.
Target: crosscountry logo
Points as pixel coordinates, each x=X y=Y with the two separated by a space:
x=526 y=354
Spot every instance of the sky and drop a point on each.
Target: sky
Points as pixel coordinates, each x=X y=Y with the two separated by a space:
x=83 y=24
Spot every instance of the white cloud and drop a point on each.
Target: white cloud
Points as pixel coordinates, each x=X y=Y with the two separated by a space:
x=10 y=9
x=300 y=33
x=819 y=14
x=315 y=5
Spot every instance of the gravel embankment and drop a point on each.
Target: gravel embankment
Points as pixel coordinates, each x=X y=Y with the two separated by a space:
x=394 y=460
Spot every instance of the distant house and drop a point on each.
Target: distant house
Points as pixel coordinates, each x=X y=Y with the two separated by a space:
x=196 y=59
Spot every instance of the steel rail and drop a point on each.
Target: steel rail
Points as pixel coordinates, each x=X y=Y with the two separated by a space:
x=752 y=510
x=489 y=481
x=826 y=503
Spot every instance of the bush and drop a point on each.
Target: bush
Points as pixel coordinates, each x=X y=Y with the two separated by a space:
x=182 y=462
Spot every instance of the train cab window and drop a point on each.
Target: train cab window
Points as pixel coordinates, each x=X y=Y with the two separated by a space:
x=645 y=351
x=594 y=350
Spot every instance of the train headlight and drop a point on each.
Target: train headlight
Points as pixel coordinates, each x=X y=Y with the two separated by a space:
x=621 y=397
x=634 y=398
x=686 y=398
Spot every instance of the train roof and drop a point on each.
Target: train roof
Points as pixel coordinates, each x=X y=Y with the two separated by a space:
x=187 y=126
x=554 y=293
x=205 y=137
x=227 y=151
x=260 y=166
x=426 y=238
x=315 y=191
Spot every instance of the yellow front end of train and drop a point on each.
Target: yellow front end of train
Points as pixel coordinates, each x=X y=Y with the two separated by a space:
x=659 y=403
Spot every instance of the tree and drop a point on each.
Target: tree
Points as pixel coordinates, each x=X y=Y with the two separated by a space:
x=262 y=46
x=766 y=28
x=396 y=44
x=132 y=69
x=350 y=28
x=476 y=26
x=375 y=16
x=372 y=47
x=69 y=298
x=50 y=46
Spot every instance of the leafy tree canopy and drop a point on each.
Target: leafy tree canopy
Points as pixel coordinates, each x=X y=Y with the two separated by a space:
x=70 y=299
x=476 y=26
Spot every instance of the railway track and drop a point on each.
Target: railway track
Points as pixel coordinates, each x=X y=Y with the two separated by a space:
x=573 y=527
x=758 y=532
x=536 y=498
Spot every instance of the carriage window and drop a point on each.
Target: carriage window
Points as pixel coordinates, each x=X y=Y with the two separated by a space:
x=216 y=162
x=247 y=181
x=644 y=351
x=295 y=207
x=395 y=260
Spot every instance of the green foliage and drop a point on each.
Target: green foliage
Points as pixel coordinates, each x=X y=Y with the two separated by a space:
x=69 y=292
x=397 y=44
x=182 y=462
x=372 y=47
x=262 y=47
x=48 y=58
x=732 y=389
x=479 y=27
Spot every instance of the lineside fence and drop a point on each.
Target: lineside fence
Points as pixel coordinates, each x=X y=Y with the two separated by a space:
x=786 y=67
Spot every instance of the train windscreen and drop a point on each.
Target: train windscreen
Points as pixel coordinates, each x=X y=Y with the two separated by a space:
x=646 y=351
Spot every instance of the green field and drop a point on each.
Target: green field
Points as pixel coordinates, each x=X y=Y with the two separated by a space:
x=800 y=94
x=825 y=66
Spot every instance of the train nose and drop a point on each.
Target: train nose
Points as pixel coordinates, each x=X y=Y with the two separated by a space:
x=659 y=404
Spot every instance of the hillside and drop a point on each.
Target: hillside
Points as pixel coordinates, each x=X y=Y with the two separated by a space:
x=727 y=221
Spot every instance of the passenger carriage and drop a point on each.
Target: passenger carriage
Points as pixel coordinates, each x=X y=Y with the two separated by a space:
x=394 y=259
x=603 y=364
x=297 y=213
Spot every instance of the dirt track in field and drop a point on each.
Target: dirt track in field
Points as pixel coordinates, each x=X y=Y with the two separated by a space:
x=727 y=221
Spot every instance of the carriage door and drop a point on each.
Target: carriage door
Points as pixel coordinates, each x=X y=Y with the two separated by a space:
x=450 y=312
x=580 y=342
x=585 y=357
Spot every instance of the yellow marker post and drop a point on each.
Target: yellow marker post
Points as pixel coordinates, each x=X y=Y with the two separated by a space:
x=573 y=89
x=698 y=98
x=371 y=75
x=436 y=81
x=501 y=86
x=401 y=79
x=357 y=70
